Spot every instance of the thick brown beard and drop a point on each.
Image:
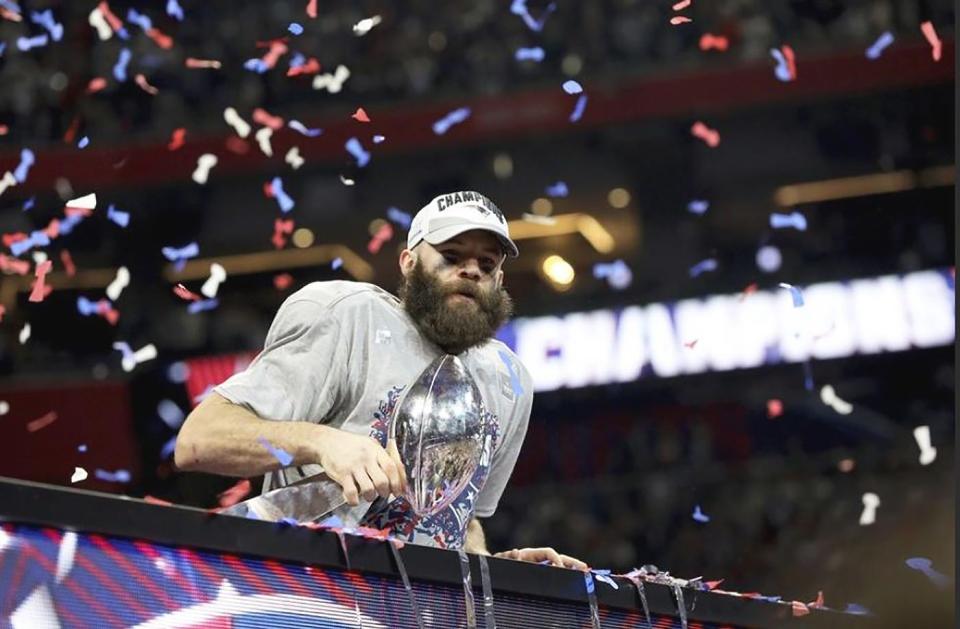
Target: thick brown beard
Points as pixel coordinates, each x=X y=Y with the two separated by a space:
x=455 y=328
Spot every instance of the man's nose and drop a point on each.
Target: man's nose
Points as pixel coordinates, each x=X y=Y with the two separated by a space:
x=470 y=268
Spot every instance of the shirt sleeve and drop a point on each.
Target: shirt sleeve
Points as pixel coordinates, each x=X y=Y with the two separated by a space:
x=297 y=375
x=505 y=456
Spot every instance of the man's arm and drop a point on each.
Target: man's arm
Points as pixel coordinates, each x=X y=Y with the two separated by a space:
x=476 y=541
x=224 y=438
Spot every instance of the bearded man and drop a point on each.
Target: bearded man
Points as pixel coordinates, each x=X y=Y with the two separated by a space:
x=337 y=359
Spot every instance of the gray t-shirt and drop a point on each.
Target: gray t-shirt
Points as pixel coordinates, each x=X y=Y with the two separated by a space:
x=342 y=353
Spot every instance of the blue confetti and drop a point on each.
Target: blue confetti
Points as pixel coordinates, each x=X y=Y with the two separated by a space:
x=68 y=223
x=36 y=239
x=82 y=447
x=795 y=292
x=283 y=199
x=588 y=580
x=202 y=305
x=399 y=217
x=28 y=204
x=297 y=60
x=782 y=70
x=167 y=450
x=45 y=19
x=924 y=565
x=139 y=19
x=279 y=454
x=617 y=273
x=333 y=522
x=27 y=159
x=530 y=54
x=699 y=515
x=180 y=256
x=853 y=608
x=519 y=7
x=572 y=87
x=288 y=522
x=11 y=6
x=698 y=206
x=874 y=51
x=83 y=143
x=298 y=126
x=256 y=64
x=120 y=476
x=807 y=376
x=117 y=216
x=3 y=47
x=26 y=43
x=336 y=264
x=577 y=112
x=174 y=10
x=377 y=139
x=515 y=383
x=558 y=189
x=295 y=28
x=795 y=219
x=710 y=264
x=454 y=117
x=90 y=308
x=354 y=147
x=120 y=69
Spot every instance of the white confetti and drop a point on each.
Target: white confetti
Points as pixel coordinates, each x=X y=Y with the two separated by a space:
x=928 y=454
x=4 y=407
x=68 y=549
x=870 y=503
x=217 y=275
x=829 y=397
x=363 y=27
x=293 y=158
x=263 y=140
x=25 y=333
x=333 y=83
x=86 y=202
x=346 y=181
x=8 y=181
x=121 y=281
x=79 y=474
x=204 y=163
x=241 y=126
x=97 y=20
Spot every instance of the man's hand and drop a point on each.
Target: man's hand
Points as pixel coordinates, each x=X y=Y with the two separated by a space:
x=361 y=466
x=539 y=555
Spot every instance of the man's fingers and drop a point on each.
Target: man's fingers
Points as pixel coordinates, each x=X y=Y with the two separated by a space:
x=365 y=485
x=380 y=481
x=573 y=562
x=395 y=455
x=350 y=492
x=392 y=470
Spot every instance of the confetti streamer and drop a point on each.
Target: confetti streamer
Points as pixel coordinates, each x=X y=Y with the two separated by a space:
x=4 y=407
x=455 y=117
x=870 y=503
x=217 y=276
x=121 y=281
x=336 y=264
x=705 y=133
x=884 y=41
x=204 y=164
x=130 y=358
x=282 y=281
x=936 y=46
x=279 y=454
x=713 y=42
x=170 y=413
x=365 y=25
x=66 y=554
x=710 y=264
x=535 y=54
x=42 y=422
x=99 y=23
x=795 y=292
x=795 y=220
x=79 y=475
x=177 y=139
x=928 y=454
x=354 y=147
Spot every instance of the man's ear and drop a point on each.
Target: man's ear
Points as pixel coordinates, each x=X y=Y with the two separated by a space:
x=499 y=278
x=408 y=259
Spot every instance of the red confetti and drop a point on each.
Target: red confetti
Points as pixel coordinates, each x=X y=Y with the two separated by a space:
x=312 y=8
x=71 y=132
x=3 y=310
x=42 y=422
x=268 y=189
x=176 y=140
x=235 y=494
x=278 y=48
x=96 y=84
x=817 y=604
x=40 y=288
x=12 y=265
x=774 y=408
x=105 y=310
x=713 y=42
x=799 y=609
x=265 y=118
x=749 y=290
x=4 y=129
x=160 y=38
x=680 y=6
x=68 y=265
x=281 y=227
x=282 y=281
x=712 y=585
x=310 y=67
x=7 y=14
x=690 y=344
x=383 y=234
x=360 y=115
x=705 y=133
x=931 y=34
x=791 y=60
x=53 y=227
x=115 y=23
x=145 y=86
x=181 y=291
x=194 y=63
x=157 y=501
x=680 y=19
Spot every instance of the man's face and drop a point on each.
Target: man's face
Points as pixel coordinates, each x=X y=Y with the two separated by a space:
x=453 y=290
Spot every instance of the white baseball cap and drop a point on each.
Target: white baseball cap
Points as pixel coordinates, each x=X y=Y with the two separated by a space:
x=450 y=215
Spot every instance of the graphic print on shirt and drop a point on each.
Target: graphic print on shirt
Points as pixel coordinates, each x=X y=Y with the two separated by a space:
x=448 y=528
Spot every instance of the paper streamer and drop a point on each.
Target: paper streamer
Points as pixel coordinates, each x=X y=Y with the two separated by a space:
x=681 y=606
x=469 y=603
x=402 y=569
x=592 y=599
x=489 y=615
x=642 y=593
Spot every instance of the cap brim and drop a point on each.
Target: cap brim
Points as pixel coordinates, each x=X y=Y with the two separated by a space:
x=444 y=234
